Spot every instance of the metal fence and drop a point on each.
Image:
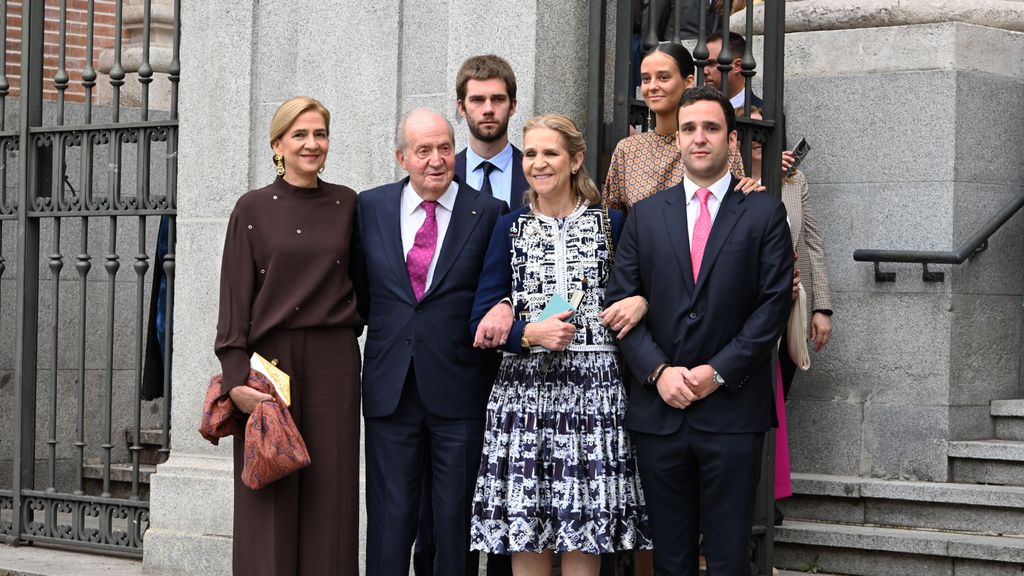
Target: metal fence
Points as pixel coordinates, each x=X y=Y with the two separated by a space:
x=613 y=110
x=87 y=176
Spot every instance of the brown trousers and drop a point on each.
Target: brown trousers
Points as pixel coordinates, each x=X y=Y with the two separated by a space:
x=307 y=523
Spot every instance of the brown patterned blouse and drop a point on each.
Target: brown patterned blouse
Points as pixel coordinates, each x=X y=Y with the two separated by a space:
x=646 y=163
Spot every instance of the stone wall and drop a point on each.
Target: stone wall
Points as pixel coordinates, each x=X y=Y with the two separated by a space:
x=916 y=137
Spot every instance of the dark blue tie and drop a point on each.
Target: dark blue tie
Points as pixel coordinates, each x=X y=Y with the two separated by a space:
x=485 y=185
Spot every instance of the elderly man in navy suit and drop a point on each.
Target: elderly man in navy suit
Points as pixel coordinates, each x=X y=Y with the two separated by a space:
x=485 y=87
x=716 y=268
x=425 y=386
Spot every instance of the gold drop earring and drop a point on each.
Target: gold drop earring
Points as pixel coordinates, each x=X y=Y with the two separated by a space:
x=650 y=122
x=279 y=164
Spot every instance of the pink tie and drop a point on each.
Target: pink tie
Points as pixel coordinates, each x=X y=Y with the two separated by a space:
x=422 y=251
x=701 y=230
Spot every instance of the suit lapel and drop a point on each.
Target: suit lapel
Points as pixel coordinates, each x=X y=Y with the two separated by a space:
x=728 y=215
x=465 y=214
x=390 y=222
x=460 y=165
x=519 y=184
x=676 y=226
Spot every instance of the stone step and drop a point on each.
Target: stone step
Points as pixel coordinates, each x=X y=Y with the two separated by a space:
x=150 y=437
x=906 y=504
x=120 y=479
x=1009 y=419
x=987 y=462
x=150 y=441
x=862 y=550
x=1007 y=408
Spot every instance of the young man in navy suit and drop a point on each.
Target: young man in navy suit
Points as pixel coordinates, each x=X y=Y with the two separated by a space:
x=716 y=268
x=486 y=91
x=425 y=386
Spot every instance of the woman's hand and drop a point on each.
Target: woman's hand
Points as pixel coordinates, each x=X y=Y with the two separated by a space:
x=821 y=330
x=553 y=333
x=247 y=399
x=787 y=160
x=493 y=329
x=748 y=185
x=624 y=314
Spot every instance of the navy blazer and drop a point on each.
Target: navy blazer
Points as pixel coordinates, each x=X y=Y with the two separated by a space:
x=432 y=335
x=519 y=184
x=731 y=319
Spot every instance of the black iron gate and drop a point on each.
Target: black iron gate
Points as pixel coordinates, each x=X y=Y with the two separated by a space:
x=88 y=138
x=615 y=57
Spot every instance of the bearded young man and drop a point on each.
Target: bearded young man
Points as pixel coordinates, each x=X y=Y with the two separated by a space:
x=486 y=91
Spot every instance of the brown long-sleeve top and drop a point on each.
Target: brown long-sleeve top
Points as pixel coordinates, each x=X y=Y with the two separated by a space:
x=286 y=266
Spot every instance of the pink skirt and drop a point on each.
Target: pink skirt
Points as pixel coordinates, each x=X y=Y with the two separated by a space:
x=783 y=482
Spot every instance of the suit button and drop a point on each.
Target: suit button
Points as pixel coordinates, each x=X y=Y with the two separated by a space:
x=408 y=341
x=693 y=315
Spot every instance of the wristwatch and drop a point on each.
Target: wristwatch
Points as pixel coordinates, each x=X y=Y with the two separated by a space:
x=717 y=377
x=524 y=342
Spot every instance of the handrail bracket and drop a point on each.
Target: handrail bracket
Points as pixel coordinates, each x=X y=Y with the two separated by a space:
x=931 y=276
x=883 y=276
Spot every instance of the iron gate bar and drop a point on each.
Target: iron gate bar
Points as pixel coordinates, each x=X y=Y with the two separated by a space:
x=173 y=76
x=26 y=312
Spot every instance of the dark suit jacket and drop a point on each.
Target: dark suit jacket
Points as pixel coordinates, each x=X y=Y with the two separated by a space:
x=689 y=22
x=519 y=184
x=454 y=378
x=731 y=319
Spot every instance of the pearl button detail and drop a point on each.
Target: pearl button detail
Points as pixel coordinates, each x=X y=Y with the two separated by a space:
x=275 y=197
x=298 y=231
x=250 y=226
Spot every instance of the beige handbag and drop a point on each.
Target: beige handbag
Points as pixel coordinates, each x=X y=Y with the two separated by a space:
x=796 y=331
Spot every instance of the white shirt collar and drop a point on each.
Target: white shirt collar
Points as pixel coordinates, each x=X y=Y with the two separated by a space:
x=411 y=200
x=718 y=189
x=501 y=160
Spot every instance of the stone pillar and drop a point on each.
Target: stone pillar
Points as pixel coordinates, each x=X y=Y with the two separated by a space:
x=191 y=494
x=913 y=113
x=367 y=64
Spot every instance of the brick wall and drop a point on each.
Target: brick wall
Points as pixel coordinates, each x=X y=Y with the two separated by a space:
x=75 y=53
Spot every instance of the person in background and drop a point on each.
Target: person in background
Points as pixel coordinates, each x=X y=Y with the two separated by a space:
x=810 y=250
x=286 y=292
x=648 y=162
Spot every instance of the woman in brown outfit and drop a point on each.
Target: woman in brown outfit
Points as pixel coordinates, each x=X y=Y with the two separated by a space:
x=285 y=292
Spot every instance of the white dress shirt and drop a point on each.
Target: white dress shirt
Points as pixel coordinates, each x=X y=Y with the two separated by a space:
x=718 y=190
x=413 y=215
x=501 y=176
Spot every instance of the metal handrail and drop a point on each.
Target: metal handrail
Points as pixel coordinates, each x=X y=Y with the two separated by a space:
x=977 y=243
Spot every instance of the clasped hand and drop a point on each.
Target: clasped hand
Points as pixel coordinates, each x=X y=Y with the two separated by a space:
x=679 y=386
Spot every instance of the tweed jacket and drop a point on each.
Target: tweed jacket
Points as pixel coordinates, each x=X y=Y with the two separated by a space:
x=808 y=243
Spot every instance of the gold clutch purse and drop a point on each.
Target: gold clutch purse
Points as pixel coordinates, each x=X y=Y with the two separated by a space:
x=281 y=381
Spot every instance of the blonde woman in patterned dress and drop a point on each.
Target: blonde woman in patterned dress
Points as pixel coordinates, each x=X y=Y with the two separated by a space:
x=558 y=472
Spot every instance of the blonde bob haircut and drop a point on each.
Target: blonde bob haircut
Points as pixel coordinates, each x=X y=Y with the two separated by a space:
x=290 y=110
x=582 y=185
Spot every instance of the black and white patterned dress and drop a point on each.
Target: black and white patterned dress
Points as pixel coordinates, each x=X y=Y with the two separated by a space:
x=558 y=470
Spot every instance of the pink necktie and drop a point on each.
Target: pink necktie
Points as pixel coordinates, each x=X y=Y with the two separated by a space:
x=701 y=230
x=422 y=251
